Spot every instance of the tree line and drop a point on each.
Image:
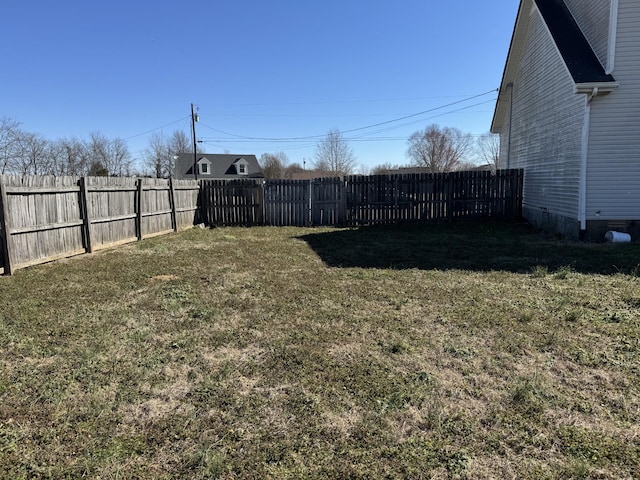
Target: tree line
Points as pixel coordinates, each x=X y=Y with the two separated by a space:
x=27 y=153
x=436 y=149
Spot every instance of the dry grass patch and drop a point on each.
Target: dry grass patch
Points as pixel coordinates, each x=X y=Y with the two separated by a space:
x=448 y=351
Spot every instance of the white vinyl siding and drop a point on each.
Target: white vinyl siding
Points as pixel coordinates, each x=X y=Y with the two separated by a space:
x=547 y=126
x=613 y=175
x=592 y=17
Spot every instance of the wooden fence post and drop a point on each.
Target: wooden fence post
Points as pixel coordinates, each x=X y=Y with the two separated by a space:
x=260 y=198
x=172 y=203
x=84 y=211
x=139 y=208
x=310 y=204
x=201 y=212
x=6 y=231
x=449 y=195
x=343 y=208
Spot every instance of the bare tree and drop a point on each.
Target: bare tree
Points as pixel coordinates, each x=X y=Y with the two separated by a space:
x=157 y=156
x=33 y=156
x=489 y=150
x=160 y=155
x=333 y=155
x=10 y=139
x=274 y=165
x=69 y=157
x=180 y=142
x=438 y=149
x=113 y=155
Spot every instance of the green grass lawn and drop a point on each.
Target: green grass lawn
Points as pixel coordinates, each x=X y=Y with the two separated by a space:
x=444 y=351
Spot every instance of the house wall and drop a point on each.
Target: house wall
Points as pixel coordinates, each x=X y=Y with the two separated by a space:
x=546 y=132
x=593 y=18
x=613 y=175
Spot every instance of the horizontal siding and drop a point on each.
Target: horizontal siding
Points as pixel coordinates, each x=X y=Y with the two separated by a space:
x=547 y=125
x=613 y=185
x=593 y=18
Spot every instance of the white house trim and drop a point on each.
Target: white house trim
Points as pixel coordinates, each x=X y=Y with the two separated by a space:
x=584 y=157
x=613 y=36
x=599 y=88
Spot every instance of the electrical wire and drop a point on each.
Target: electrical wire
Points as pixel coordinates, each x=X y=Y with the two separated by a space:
x=158 y=128
x=388 y=122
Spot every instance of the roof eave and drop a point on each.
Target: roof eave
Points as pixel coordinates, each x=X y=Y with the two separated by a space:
x=601 y=87
x=515 y=43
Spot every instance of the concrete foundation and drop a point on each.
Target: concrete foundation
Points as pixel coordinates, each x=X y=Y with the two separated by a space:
x=570 y=227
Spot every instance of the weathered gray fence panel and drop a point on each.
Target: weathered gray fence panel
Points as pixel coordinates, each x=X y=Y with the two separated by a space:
x=43 y=219
x=156 y=212
x=185 y=194
x=46 y=218
x=111 y=211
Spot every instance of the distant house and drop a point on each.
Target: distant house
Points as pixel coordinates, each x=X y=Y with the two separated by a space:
x=569 y=114
x=216 y=166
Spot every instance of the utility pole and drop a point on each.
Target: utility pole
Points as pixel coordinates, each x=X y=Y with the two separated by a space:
x=194 y=119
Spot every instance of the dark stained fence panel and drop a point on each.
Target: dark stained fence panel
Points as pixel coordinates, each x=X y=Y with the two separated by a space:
x=231 y=202
x=365 y=200
x=287 y=203
x=328 y=201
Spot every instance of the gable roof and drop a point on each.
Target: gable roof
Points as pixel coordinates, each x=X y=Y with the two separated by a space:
x=578 y=56
x=222 y=165
x=576 y=52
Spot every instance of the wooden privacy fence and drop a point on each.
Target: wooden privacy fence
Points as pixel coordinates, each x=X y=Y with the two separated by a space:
x=46 y=218
x=363 y=200
x=274 y=202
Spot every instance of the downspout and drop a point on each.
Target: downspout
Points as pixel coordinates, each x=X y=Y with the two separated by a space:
x=510 y=85
x=584 y=160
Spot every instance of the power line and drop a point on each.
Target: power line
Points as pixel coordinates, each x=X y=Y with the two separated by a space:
x=355 y=138
x=337 y=102
x=156 y=129
x=429 y=118
x=421 y=113
x=315 y=137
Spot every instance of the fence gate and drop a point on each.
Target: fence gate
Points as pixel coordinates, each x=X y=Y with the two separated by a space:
x=286 y=203
x=231 y=202
x=328 y=201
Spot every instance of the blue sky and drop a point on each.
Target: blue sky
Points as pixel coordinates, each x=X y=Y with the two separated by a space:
x=285 y=71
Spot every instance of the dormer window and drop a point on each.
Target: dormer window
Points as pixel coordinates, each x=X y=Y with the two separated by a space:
x=242 y=166
x=204 y=166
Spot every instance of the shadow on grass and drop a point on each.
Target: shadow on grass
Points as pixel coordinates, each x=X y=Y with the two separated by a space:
x=478 y=246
